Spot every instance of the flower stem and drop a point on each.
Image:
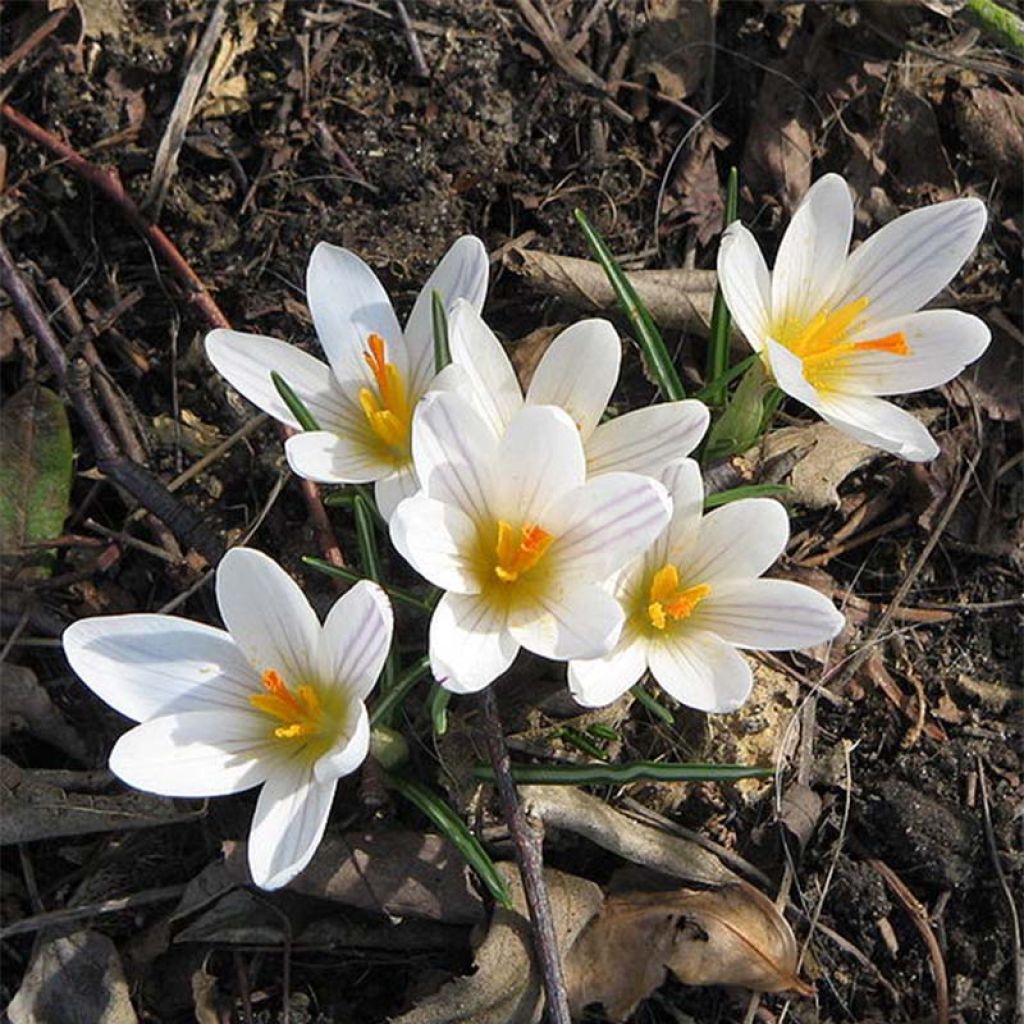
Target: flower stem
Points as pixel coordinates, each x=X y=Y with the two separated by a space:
x=530 y=858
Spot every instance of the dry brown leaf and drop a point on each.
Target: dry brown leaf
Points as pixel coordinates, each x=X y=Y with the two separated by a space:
x=26 y=706
x=740 y=939
x=37 y=809
x=72 y=979
x=505 y=987
x=666 y=48
x=991 y=122
x=677 y=299
x=912 y=146
x=832 y=456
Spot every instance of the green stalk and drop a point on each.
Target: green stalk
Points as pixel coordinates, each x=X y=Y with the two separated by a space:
x=618 y=774
x=439 y=698
x=651 y=342
x=366 y=538
x=455 y=829
x=718 y=345
x=295 y=404
x=384 y=710
x=442 y=355
x=727 y=378
x=344 y=573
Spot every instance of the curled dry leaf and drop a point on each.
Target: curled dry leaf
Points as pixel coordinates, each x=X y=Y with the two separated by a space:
x=676 y=299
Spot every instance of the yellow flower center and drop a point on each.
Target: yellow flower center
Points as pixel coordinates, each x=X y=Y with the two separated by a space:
x=387 y=411
x=519 y=550
x=300 y=711
x=666 y=601
x=821 y=346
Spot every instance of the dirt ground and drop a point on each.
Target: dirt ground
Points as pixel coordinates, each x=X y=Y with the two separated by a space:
x=895 y=829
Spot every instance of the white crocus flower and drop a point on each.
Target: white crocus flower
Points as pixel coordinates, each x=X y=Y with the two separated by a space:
x=364 y=399
x=577 y=373
x=839 y=330
x=694 y=596
x=276 y=701
x=518 y=538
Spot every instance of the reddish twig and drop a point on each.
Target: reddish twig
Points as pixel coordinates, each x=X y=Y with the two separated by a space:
x=33 y=40
x=109 y=184
x=531 y=865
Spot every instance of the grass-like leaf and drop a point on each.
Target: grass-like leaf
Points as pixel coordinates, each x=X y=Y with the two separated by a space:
x=442 y=355
x=655 y=707
x=647 y=333
x=745 y=491
x=455 y=829
x=617 y=774
x=295 y=404
x=384 y=710
x=342 y=572
x=718 y=344
x=439 y=698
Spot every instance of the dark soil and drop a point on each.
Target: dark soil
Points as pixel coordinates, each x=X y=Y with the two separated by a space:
x=335 y=137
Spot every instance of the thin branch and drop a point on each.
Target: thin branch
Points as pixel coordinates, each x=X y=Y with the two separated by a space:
x=109 y=184
x=531 y=865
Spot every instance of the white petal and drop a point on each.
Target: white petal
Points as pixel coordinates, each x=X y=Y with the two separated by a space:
x=647 y=440
x=150 y=665
x=246 y=362
x=910 y=260
x=474 y=348
x=291 y=815
x=700 y=670
x=390 y=491
x=355 y=640
x=685 y=487
x=195 y=753
x=578 y=373
x=461 y=274
x=602 y=681
x=454 y=452
x=737 y=541
x=539 y=459
x=470 y=645
x=349 y=304
x=768 y=615
x=788 y=370
x=880 y=424
x=439 y=541
x=604 y=524
x=813 y=250
x=568 y=621
x=941 y=342
x=745 y=283
x=330 y=458
x=267 y=615
x=350 y=752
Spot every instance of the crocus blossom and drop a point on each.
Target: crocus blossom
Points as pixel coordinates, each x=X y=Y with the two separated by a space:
x=837 y=331
x=518 y=538
x=694 y=596
x=275 y=701
x=577 y=373
x=364 y=399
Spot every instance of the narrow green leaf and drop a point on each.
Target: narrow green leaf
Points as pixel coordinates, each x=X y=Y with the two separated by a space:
x=646 y=330
x=36 y=457
x=439 y=698
x=657 y=709
x=295 y=404
x=739 y=426
x=745 y=491
x=344 y=573
x=581 y=741
x=602 y=731
x=442 y=355
x=455 y=829
x=384 y=710
x=728 y=377
x=718 y=344
x=366 y=538
x=618 y=774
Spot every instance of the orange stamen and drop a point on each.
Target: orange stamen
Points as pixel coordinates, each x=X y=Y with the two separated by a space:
x=299 y=711
x=387 y=411
x=516 y=555
x=666 y=601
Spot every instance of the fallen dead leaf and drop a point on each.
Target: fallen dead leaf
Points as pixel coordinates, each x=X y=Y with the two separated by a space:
x=669 y=46
x=72 y=979
x=26 y=706
x=991 y=123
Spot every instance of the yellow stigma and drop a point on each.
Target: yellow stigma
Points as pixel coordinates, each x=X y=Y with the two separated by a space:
x=819 y=342
x=301 y=711
x=666 y=601
x=387 y=411
x=519 y=550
